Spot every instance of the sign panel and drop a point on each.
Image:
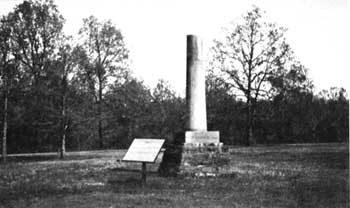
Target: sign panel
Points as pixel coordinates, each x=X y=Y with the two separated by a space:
x=144 y=150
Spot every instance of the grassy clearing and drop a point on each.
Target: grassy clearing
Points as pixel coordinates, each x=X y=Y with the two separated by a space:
x=276 y=176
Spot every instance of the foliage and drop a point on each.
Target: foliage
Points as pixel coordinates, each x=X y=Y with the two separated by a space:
x=7 y=70
x=167 y=112
x=103 y=53
x=256 y=64
x=78 y=94
x=252 y=52
x=35 y=29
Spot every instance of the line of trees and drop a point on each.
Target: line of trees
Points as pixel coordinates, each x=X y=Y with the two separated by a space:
x=59 y=92
x=77 y=93
x=260 y=83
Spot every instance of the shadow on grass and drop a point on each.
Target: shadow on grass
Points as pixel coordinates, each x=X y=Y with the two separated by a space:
x=42 y=158
x=171 y=161
x=131 y=185
x=323 y=191
x=32 y=158
x=131 y=182
x=40 y=191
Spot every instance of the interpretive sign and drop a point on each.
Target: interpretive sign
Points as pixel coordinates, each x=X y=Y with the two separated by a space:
x=144 y=150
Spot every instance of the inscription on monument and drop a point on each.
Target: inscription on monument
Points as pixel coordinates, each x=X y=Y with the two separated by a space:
x=202 y=137
x=144 y=150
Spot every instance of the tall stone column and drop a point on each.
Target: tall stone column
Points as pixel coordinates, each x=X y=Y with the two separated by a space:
x=195 y=96
x=195 y=86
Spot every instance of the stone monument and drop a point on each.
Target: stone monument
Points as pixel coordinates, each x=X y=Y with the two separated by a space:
x=197 y=134
x=200 y=145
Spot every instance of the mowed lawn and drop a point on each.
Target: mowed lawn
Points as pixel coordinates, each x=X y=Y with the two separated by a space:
x=309 y=175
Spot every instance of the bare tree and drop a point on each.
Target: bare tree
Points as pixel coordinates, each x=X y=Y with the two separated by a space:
x=251 y=52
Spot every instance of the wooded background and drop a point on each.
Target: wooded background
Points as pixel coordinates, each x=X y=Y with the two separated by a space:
x=79 y=93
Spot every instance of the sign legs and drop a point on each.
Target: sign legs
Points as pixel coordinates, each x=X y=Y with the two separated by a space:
x=143 y=172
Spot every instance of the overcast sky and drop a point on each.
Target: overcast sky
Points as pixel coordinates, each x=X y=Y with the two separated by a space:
x=155 y=32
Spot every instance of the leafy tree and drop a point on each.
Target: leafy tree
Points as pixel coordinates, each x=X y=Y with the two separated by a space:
x=251 y=53
x=162 y=97
x=224 y=110
x=331 y=122
x=64 y=63
x=334 y=93
x=104 y=54
x=293 y=79
x=35 y=29
x=167 y=112
x=292 y=90
x=128 y=104
x=7 y=69
x=37 y=26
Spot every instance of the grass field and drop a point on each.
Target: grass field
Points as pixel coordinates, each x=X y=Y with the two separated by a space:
x=312 y=175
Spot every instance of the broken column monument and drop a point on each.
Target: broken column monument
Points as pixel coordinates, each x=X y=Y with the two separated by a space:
x=196 y=128
x=200 y=144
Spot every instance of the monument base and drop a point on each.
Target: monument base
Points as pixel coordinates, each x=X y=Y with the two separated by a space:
x=202 y=140
x=202 y=137
x=201 y=153
x=200 y=150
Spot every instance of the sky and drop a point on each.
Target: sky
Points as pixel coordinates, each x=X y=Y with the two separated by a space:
x=155 y=32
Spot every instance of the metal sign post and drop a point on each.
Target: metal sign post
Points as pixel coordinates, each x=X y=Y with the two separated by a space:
x=144 y=151
x=144 y=170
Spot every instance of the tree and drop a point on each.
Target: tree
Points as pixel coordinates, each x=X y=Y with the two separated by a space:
x=291 y=104
x=294 y=79
x=36 y=29
x=251 y=53
x=6 y=72
x=64 y=71
x=127 y=103
x=162 y=98
x=334 y=93
x=164 y=110
x=224 y=110
x=331 y=121
x=105 y=53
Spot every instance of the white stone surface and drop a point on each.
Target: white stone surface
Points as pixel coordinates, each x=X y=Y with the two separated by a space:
x=195 y=89
x=202 y=137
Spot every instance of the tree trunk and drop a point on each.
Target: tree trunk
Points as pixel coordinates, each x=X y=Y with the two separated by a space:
x=100 y=133
x=249 y=129
x=130 y=126
x=64 y=129
x=100 y=136
x=4 y=138
x=79 y=143
x=63 y=145
x=250 y=113
x=64 y=125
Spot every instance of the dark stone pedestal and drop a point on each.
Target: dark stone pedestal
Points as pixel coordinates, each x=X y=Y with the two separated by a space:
x=200 y=147
x=200 y=157
x=190 y=158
